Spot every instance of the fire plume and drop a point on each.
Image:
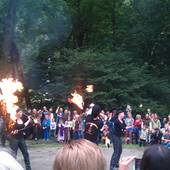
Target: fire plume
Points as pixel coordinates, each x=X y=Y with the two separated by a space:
x=77 y=99
x=8 y=87
x=89 y=88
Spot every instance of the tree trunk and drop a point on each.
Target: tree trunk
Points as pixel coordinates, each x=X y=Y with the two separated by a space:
x=10 y=64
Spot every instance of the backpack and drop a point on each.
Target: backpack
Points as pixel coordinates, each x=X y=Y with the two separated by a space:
x=91 y=128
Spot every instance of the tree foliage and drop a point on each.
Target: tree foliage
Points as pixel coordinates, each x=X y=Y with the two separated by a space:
x=122 y=47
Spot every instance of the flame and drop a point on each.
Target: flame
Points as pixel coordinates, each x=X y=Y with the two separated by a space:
x=77 y=99
x=89 y=88
x=8 y=88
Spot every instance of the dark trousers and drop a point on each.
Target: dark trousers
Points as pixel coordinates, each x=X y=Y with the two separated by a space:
x=36 y=135
x=46 y=134
x=20 y=143
x=142 y=142
x=117 y=145
x=3 y=138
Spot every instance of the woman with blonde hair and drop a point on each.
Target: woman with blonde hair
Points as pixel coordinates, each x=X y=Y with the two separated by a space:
x=80 y=155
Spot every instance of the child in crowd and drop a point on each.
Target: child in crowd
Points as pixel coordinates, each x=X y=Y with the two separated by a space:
x=105 y=135
x=53 y=128
x=46 y=127
x=143 y=136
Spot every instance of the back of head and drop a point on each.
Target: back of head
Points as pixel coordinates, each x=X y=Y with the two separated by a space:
x=79 y=155
x=96 y=111
x=156 y=157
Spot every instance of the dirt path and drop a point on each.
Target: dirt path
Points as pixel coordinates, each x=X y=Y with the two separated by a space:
x=42 y=157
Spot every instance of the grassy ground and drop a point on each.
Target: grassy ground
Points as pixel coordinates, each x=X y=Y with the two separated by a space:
x=52 y=143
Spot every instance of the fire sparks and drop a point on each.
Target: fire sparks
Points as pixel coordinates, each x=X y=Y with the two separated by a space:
x=77 y=99
x=8 y=88
x=89 y=88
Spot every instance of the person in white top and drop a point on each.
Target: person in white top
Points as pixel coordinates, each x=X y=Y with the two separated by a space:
x=53 y=128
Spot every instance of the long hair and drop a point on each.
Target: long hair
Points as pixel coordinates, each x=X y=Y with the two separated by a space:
x=80 y=155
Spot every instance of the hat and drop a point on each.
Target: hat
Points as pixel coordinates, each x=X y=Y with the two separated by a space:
x=96 y=111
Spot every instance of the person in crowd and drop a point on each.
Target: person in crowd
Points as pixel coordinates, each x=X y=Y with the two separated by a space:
x=77 y=124
x=34 y=111
x=53 y=128
x=36 y=127
x=80 y=155
x=119 y=130
x=156 y=157
x=17 y=138
x=163 y=123
x=129 y=127
x=8 y=162
x=46 y=127
x=51 y=114
x=60 y=136
x=156 y=124
x=166 y=138
x=156 y=136
x=137 y=127
x=93 y=125
x=143 y=136
x=59 y=115
x=146 y=120
x=105 y=132
x=44 y=112
x=66 y=118
x=110 y=123
x=168 y=120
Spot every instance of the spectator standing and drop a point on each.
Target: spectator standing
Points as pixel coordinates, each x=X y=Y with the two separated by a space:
x=53 y=128
x=60 y=136
x=46 y=127
x=155 y=122
x=137 y=127
x=129 y=127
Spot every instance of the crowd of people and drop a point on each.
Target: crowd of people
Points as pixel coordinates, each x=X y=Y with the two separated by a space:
x=62 y=125
x=94 y=124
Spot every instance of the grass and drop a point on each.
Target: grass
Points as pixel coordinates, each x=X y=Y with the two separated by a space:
x=52 y=143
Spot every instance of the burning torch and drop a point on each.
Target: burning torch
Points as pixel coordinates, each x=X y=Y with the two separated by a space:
x=8 y=99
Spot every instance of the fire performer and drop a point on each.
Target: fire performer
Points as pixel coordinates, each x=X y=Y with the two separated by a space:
x=17 y=138
x=93 y=125
x=119 y=129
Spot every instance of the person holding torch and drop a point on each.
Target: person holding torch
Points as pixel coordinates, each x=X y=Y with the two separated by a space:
x=17 y=138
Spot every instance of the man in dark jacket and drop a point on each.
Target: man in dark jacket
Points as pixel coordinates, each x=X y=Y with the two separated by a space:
x=93 y=125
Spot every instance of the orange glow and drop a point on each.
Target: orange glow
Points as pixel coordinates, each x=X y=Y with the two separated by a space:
x=8 y=88
x=77 y=99
x=89 y=88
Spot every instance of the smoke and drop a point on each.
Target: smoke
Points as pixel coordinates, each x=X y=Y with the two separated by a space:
x=40 y=23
